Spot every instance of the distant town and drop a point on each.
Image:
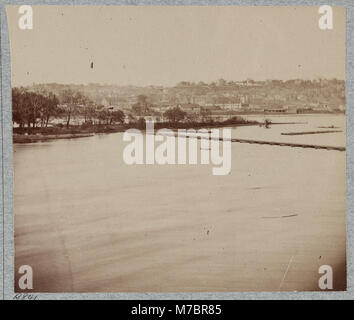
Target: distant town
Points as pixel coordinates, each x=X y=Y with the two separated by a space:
x=52 y=104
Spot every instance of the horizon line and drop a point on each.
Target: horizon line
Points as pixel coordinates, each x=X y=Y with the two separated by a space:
x=161 y=85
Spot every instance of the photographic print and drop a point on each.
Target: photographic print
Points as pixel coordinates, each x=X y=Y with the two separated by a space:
x=178 y=148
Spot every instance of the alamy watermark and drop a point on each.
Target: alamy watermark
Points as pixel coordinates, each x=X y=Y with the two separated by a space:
x=179 y=147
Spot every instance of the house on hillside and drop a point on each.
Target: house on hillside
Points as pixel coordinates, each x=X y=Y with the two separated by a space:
x=190 y=108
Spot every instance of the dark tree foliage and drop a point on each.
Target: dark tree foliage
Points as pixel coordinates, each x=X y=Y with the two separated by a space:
x=175 y=114
x=32 y=108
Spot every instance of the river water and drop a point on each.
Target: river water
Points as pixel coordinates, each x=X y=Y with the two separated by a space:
x=86 y=221
x=302 y=123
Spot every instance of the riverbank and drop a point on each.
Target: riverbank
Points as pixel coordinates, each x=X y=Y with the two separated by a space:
x=18 y=138
x=29 y=135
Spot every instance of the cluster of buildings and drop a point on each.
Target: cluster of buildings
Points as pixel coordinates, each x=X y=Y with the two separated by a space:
x=218 y=100
x=222 y=111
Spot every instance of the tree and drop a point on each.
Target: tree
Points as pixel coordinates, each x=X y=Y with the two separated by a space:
x=137 y=110
x=131 y=118
x=30 y=107
x=33 y=104
x=192 y=117
x=18 y=114
x=88 y=109
x=142 y=99
x=72 y=100
x=142 y=106
x=141 y=123
x=49 y=107
x=174 y=115
x=221 y=82
x=117 y=116
x=102 y=115
x=90 y=112
x=205 y=113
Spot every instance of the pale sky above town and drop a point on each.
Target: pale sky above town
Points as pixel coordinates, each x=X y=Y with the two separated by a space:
x=165 y=45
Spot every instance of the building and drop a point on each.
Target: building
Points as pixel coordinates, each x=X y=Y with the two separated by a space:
x=230 y=106
x=190 y=108
x=275 y=110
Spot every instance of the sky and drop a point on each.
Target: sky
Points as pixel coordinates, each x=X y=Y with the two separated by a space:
x=163 y=45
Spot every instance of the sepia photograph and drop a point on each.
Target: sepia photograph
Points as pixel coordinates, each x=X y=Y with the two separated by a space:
x=178 y=148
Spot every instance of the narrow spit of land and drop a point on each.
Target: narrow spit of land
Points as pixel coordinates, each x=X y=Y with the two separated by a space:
x=289 y=144
x=273 y=143
x=48 y=134
x=309 y=132
x=30 y=135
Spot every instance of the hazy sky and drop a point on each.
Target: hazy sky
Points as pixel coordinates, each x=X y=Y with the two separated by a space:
x=165 y=45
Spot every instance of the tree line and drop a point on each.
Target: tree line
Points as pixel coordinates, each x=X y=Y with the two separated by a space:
x=35 y=109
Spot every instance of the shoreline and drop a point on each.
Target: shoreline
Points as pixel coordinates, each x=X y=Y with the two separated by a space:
x=33 y=135
x=31 y=138
x=47 y=134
